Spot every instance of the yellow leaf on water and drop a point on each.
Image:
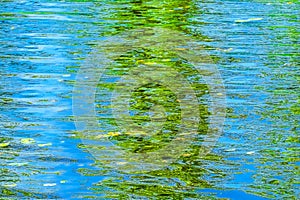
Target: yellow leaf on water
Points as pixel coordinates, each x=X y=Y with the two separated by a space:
x=113 y=133
x=255 y=19
x=240 y=21
x=166 y=60
x=149 y=63
x=10 y=185
x=140 y=61
x=4 y=144
x=227 y=50
x=27 y=141
x=44 y=145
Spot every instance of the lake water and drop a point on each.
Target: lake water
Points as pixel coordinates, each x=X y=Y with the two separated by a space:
x=150 y=99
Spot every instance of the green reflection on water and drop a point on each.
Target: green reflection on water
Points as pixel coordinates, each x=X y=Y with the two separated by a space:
x=181 y=179
x=278 y=173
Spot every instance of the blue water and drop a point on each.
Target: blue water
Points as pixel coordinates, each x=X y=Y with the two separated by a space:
x=43 y=44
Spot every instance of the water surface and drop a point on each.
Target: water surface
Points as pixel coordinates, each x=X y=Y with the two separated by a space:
x=253 y=44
